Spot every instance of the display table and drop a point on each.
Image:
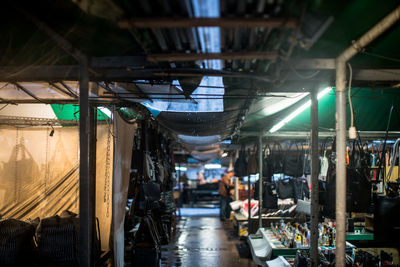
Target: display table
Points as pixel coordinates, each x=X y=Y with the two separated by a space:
x=278 y=262
x=201 y=193
x=265 y=245
x=240 y=223
x=360 y=234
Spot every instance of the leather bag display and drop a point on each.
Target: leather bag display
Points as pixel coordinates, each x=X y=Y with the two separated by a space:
x=252 y=164
x=285 y=189
x=358 y=185
x=301 y=190
x=293 y=162
x=168 y=201
x=149 y=195
x=386 y=222
x=270 y=200
x=277 y=159
x=267 y=171
x=240 y=167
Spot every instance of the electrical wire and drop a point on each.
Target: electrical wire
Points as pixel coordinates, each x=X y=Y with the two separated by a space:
x=301 y=76
x=349 y=96
x=381 y=57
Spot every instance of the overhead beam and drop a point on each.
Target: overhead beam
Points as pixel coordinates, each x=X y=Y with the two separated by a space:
x=140 y=23
x=71 y=73
x=97 y=101
x=306 y=134
x=311 y=64
x=207 y=56
x=118 y=62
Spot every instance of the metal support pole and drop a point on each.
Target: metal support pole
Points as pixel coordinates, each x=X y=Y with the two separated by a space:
x=180 y=190
x=249 y=209
x=260 y=179
x=86 y=205
x=340 y=164
x=341 y=60
x=314 y=179
x=92 y=169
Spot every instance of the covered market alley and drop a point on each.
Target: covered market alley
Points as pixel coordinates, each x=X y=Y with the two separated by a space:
x=199 y=133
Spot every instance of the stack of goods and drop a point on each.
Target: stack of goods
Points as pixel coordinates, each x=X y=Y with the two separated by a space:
x=325 y=259
x=16 y=242
x=298 y=235
x=292 y=236
x=52 y=241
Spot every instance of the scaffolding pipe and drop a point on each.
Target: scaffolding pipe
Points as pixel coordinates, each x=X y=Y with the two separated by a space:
x=314 y=178
x=341 y=61
x=260 y=180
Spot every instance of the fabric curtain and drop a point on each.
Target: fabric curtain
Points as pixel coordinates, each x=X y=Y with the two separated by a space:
x=123 y=143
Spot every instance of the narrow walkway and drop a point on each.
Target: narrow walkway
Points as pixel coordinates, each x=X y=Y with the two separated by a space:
x=203 y=242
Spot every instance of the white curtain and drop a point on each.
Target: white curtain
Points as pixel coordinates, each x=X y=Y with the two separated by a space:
x=123 y=142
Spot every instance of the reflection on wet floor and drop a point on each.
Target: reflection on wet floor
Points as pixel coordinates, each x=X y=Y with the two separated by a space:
x=203 y=241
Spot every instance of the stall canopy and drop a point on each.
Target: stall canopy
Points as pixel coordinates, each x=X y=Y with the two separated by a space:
x=201 y=67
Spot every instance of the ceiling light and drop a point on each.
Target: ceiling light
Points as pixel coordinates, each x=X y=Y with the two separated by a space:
x=225 y=154
x=295 y=113
x=177 y=168
x=212 y=166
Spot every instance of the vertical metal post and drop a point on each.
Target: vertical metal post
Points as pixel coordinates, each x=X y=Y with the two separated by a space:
x=180 y=190
x=314 y=178
x=249 y=207
x=340 y=163
x=92 y=170
x=85 y=198
x=260 y=179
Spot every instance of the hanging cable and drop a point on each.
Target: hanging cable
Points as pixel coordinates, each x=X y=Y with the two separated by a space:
x=304 y=76
x=352 y=129
x=350 y=102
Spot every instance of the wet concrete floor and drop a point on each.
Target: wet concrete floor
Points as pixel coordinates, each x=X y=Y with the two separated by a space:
x=205 y=242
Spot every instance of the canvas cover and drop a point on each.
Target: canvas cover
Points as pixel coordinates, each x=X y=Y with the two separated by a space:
x=39 y=174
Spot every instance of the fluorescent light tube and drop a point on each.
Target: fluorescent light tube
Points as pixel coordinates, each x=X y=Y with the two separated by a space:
x=299 y=110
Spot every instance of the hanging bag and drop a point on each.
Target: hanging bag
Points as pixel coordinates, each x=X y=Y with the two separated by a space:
x=293 y=162
x=285 y=189
x=277 y=159
x=241 y=164
x=252 y=164
x=270 y=200
x=267 y=165
x=301 y=190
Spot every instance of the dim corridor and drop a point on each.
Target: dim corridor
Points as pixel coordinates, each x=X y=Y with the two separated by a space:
x=205 y=242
